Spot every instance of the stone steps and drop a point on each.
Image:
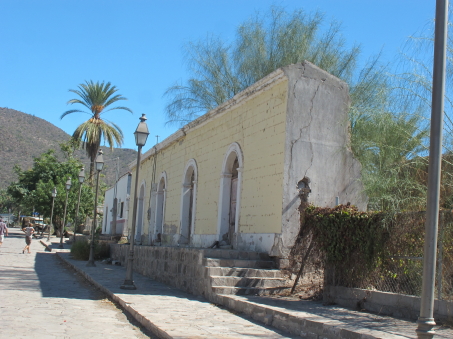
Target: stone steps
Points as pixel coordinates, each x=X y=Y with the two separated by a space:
x=233 y=254
x=255 y=282
x=233 y=290
x=243 y=272
x=241 y=263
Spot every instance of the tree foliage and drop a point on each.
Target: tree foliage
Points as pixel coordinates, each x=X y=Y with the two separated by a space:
x=264 y=43
x=32 y=191
x=387 y=133
x=97 y=98
x=6 y=202
x=388 y=146
x=392 y=144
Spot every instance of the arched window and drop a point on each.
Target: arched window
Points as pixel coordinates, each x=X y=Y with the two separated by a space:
x=160 y=206
x=188 y=201
x=230 y=194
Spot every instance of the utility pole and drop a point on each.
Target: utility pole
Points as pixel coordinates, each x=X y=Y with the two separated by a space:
x=426 y=319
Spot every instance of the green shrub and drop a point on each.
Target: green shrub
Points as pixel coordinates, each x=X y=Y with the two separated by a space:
x=80 y=250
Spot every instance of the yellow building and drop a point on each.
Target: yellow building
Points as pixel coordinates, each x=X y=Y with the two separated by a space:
x=234 y=176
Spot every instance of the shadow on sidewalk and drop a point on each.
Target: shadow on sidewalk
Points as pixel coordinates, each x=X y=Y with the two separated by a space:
x=56 y=280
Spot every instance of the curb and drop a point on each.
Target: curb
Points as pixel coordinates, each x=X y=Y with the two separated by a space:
x=124 y=305
x=305 y=326
x=299 y=323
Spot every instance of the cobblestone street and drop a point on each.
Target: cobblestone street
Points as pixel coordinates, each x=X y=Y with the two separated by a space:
x=41 y=298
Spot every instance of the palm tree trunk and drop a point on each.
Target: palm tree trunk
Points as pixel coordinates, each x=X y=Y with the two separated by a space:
x=92 y=169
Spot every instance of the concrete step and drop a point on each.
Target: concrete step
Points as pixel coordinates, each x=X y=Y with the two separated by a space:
x=243 y=272
x=256 y=282
x=235 y=254
x=219 y=262
x=310 y=319
x=234 y=290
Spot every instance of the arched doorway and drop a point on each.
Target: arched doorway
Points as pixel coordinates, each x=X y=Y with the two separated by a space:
x=160 y=207
x=230 y=194
x=140 y=205
x=188 y=202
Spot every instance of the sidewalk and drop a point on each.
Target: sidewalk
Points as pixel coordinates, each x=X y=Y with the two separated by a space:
x=170 y=313
x=41 y=297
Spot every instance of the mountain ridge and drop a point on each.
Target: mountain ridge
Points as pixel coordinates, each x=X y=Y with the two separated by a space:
x=24 y=137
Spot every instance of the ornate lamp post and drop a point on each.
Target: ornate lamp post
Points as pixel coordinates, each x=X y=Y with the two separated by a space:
x=54 y=194
x=99 y=166
x=141 y=134
x=81 y=180
x=68 y=187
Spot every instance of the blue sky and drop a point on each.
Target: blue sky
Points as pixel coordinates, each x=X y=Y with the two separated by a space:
x=51 y=46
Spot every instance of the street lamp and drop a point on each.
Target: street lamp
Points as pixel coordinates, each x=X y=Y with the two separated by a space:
x=141 y=134
x=54 y=194
x=99 y=165
x=68 y=187
x=81 y=180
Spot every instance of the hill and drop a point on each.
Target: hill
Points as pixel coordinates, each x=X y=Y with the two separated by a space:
x=24 y=137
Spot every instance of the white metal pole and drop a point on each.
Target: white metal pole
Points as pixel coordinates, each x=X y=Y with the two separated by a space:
x=426 y=320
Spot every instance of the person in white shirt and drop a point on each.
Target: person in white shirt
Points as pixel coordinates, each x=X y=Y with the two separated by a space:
x=3 y=231
x=29 y=230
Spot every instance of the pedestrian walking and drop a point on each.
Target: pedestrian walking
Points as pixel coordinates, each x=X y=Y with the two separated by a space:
x=3 y=231
x=29 y=230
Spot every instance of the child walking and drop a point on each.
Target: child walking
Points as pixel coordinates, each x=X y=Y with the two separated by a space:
x=28 y=234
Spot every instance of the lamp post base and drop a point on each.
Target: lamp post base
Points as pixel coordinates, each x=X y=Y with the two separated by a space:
x=91 y=263
x=128 y=285
x=425 y=328
x=61 y=246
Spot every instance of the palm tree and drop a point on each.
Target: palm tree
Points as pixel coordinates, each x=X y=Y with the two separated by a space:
x=96 y=97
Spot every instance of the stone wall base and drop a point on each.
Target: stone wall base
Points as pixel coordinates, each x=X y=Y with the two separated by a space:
x=385 y=303
x=179 y=267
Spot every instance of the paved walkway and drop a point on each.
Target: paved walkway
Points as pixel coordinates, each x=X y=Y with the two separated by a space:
x=171 y=313
x=40 y=297
x=168 y=312
x=43 y=298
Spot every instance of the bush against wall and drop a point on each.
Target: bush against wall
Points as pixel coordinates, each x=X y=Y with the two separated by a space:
x=80 y=250
x=340 y=236
x=371 y=250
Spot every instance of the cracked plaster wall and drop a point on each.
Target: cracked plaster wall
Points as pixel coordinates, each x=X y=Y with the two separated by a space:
x=290 y=125
x=255 y=120
x=317 y=135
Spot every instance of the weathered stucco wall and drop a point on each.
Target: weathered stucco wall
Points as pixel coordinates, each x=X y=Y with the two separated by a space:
x=122 y=195
x=316 y=148
x=290 y=126
x=257 y=124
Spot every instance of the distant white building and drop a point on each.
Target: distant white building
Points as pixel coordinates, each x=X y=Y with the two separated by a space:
x=119 y=195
